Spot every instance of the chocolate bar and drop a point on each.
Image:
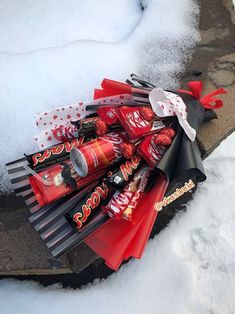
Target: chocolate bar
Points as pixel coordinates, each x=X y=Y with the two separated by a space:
x=122 y=203
x=125 y=172
x=83 y=213
x=52 y=155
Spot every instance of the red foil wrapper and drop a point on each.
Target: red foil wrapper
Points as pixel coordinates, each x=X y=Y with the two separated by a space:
x=50 y=184
x=151 y=152
x=162 y=139
x=97 y=154
x=65 y=133
x=169 y=131
x=108 y=114
x=147 y=113
x=124 y=202
x=134 y=123
x=128 y=150
x=101 y=127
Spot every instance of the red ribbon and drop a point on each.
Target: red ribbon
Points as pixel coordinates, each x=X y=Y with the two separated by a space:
x=208 y=101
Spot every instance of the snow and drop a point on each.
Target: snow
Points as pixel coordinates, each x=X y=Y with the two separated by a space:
x=188 y=268
x=57 y=23
x=54 y=53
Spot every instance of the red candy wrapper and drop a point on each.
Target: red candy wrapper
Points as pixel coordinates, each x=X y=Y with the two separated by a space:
x=87 y=126
x=135 y=124
x=97 y=154
x=169 y=131
x=128 y=150
x=58 y=181
x=147 y=113
x=151 y=152
x=162 y=139
x=65 y=133
x=93 y=126
x=108 y=114
x=122 y=204
x=101 y=127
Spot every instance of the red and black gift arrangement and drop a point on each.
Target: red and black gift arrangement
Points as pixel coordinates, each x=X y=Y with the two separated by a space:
x=103 y=166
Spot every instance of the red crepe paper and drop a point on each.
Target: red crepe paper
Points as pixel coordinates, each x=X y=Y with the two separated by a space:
x=100 y=93
x=208 y=101
x=111 y=87
x=119 y=240
x=119 y=87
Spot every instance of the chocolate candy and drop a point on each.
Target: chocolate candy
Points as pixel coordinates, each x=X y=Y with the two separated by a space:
x=86 y=127
x=169 y=131
x=93 y=126
x=125 y=172
x=122 y=203
x=108 y=114
x=52 y=155
x=162 y=139
x=147 y=113
x=128 y=150
x=135 y=124
x=151 y=152
x=83 y=213
x=101 y=128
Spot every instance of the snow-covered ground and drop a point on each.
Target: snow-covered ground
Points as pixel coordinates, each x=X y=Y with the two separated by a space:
x=53 y=53
x=188 y=268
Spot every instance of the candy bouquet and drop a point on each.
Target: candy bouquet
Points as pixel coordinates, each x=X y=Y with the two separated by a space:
x=105 y=166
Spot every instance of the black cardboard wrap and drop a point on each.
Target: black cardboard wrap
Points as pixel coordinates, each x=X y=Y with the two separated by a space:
x=182 y=161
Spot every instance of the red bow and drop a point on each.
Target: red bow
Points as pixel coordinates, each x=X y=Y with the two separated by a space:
x=207 y=101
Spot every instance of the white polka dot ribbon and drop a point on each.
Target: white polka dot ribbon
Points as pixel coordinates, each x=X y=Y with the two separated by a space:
x=59 y=119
